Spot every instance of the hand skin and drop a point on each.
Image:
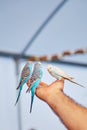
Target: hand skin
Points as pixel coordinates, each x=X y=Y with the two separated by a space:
x=72 y=115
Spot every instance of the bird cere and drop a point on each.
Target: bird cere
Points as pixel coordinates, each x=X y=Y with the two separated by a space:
x=32 y=76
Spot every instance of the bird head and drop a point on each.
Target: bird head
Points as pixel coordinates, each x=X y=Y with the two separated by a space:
x=50 y=68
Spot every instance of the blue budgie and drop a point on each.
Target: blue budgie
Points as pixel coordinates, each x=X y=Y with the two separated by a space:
x=58 y=74
x=34 y=81
x=25 y=76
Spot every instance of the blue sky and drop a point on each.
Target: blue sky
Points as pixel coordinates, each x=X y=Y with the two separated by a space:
x=66 y=31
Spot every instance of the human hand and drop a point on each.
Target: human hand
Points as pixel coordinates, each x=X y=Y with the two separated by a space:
x=46 y=92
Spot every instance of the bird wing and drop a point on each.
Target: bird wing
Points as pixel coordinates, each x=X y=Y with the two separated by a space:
x=59 y=72
x=25 y=73
x=32 y=84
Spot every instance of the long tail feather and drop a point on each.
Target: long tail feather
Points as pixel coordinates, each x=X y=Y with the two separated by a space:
x=28 y=90
x=18 y=96
x=32 y=99
x=77 y=83
x=18 y=86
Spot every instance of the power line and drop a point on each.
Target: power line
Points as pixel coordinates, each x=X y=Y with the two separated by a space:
x=13 y=55
x=59 y=6
x=16 y=56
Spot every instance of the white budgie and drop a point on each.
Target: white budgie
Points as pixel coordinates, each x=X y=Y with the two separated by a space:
x=58 y=74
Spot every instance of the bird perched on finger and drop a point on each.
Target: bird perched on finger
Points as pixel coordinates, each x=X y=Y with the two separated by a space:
x=59 y=74
x=25 y=76
x=34 y=81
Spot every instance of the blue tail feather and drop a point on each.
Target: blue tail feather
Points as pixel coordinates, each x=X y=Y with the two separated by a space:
x=18 y=95
x=32 y=99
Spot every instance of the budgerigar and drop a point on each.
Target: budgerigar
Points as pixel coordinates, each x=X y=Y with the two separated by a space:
x=25 y=76
x=58 y=74
x=35 y=80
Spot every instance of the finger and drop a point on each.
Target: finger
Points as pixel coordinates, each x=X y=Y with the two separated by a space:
x=58 y=82
x=43 y=84
x=41 y=90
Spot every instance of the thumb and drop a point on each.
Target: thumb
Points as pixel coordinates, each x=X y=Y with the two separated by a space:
x=41 y=90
